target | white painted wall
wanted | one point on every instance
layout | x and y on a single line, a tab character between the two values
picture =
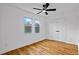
12	28
78	27
66	23
67	30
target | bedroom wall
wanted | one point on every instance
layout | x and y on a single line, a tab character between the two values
78	22
64	22
12	28
78	26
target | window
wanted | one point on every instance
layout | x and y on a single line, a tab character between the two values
27	25
37	26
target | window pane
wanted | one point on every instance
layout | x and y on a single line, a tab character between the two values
37	27
27	29
27	25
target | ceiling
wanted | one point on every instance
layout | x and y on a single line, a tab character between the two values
61	8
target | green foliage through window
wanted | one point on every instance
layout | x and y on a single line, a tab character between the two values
27	25
37	26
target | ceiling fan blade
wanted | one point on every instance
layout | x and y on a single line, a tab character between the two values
46	13
50	9
39	12
46	5
37	8
43	5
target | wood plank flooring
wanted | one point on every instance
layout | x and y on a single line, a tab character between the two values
46	47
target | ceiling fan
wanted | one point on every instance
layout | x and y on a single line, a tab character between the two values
44	9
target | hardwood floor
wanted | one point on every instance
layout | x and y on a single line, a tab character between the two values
46	47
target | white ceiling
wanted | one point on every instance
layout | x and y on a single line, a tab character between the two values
61	9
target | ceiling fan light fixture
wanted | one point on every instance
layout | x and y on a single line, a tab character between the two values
44	11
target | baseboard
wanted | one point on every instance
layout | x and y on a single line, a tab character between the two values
63	41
